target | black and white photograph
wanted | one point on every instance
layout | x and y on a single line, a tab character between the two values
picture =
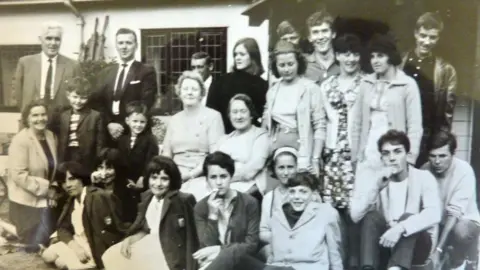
239	134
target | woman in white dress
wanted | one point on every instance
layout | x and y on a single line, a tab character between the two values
163	235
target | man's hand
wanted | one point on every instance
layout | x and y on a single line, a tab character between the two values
79	251
390	238
115	130
384	177
214	206
95	177
207	253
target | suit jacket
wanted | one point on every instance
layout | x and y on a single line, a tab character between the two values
445	84
243	225
230	84
140	84
101	221
28	79
90	135
144	149
28	181
178	235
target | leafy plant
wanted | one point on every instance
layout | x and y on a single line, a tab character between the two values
91	68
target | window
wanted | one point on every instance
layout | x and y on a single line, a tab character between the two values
9	55
170	50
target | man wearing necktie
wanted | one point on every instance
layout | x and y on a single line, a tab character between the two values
119	84
42	75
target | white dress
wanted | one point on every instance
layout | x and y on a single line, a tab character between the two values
147	253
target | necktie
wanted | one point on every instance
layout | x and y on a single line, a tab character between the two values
120	81
48	82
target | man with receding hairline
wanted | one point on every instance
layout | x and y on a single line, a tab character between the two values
42	75
201	62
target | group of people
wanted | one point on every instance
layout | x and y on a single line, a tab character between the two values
325	167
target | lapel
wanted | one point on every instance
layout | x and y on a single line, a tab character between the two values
88	206
166	204
112	76
130	75
307	215
280	216
37	74
303	90
59	70
410	191
83	114
437	69
67	210
38	147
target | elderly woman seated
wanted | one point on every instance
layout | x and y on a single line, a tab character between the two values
192	133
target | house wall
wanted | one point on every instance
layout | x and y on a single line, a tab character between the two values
25	26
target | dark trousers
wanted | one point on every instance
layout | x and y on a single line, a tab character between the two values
464	240
231	259
350	238
423	153
34	225
411	250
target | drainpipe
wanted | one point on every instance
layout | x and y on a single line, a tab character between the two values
74	10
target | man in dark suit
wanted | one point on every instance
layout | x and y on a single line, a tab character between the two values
43	75
122	83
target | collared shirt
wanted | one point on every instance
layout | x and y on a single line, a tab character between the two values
207	84
127	68
318	72
44	70
77	221
224	218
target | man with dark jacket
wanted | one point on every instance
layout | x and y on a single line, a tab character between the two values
89	224
436	79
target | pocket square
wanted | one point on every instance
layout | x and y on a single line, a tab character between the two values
181	222
134	82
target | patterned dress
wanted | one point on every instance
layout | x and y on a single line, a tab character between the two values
338	170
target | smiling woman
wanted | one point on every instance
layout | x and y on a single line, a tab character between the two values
32	163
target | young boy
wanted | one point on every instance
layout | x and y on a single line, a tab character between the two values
82	134
138	144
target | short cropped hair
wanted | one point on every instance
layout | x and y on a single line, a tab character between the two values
51	25
220	159
318	18
442	138
203	55
79	85
394	137
303	179
125	31
248	103
167	165
192	75
385	44
136	106
430	20
29	107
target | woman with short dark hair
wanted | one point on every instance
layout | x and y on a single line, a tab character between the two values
32	164
388	99
163	235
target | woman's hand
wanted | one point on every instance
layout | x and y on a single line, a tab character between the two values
126	248
206	254
315	170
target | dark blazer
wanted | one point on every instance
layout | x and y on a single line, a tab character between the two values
243	225
178	236
90	134
230	84
144	149
101	220
140	84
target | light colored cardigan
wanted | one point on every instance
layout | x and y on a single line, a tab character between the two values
28	167
458	191
308	117
423	199
404	113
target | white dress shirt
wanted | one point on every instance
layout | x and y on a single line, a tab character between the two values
44	69
77	223
207	84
